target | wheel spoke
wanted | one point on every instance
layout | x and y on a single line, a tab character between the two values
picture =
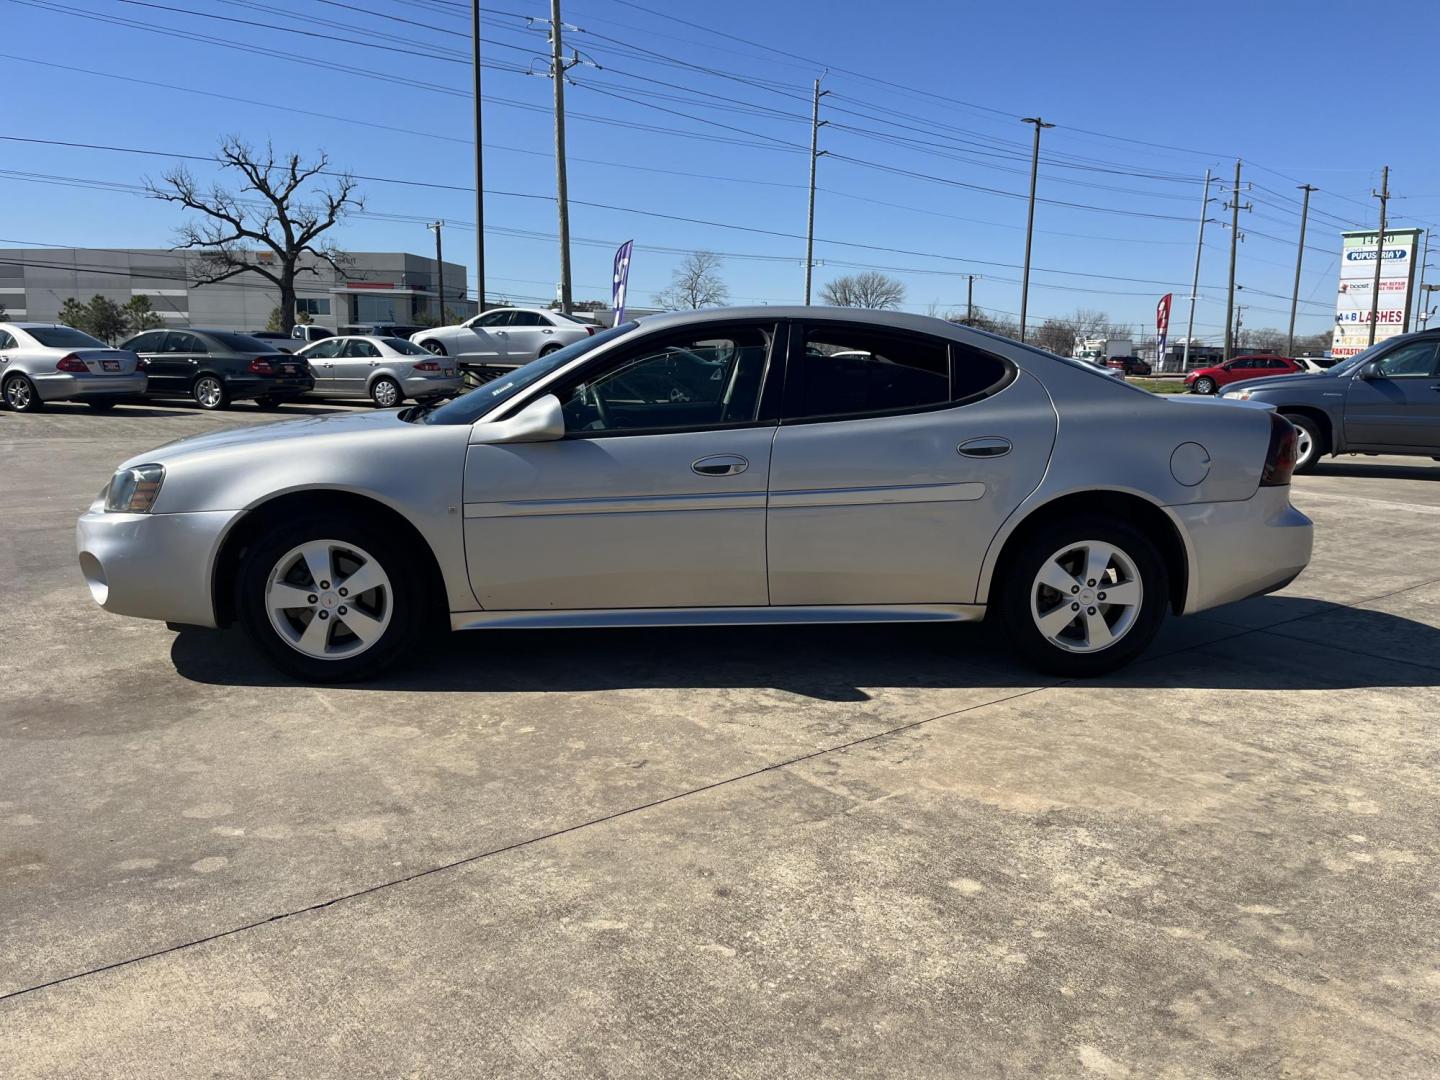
1058	578
364	627
1097	560
317	560
316	636
287	597
364	579
1126	594
1097	630
1052	623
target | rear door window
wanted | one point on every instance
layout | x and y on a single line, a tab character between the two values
177	341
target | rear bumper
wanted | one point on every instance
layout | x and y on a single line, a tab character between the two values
1240	549
63	386
152	566
423	386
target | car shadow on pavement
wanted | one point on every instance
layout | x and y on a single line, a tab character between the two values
180	409
1423	469
1339	647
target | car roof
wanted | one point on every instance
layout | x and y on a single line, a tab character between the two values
900	320
36	325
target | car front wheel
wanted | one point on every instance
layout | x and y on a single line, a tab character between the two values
1310	442
331	600
1204	385
1083	597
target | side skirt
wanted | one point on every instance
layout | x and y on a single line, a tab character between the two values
717	616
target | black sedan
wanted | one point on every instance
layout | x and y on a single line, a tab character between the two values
216	367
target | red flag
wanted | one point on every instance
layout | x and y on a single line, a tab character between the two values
1162	326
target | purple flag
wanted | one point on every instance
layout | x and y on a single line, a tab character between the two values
619	279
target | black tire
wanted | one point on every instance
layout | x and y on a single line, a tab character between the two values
434	347
1205	385
548	349
1017	579
1309	432
208	391
101	404
20	394
386	393
407	601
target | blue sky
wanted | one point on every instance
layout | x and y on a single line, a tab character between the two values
924	108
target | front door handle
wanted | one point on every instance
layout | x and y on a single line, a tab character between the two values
719	465
989	446
1436	388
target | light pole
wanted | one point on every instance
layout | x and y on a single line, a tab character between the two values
479	162
1299	259
815	154
439	273
1195	281
1030	217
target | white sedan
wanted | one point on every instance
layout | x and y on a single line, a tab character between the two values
42	362
387	370
504	337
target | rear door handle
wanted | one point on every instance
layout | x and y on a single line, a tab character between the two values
988	446
719	465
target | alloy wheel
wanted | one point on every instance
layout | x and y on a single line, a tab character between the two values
1204	386
1304	445
329	599
1086	596
209	393
17	394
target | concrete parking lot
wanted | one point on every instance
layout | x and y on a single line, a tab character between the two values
779	853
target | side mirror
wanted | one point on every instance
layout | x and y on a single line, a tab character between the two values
1370	371
542	420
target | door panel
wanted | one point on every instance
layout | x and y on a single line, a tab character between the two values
618	522
352	367
1399	408
886	510
322	365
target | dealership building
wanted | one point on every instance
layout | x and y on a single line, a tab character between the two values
375	287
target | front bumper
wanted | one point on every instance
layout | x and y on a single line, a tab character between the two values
152	566
63	386
1240	549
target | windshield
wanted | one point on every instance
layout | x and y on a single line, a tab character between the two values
63	337
405	348
1347	366
467	408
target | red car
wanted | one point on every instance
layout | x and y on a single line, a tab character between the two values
1209	380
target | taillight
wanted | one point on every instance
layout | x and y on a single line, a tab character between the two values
1280	455
428	365
72	364
591	330
140	364
260	366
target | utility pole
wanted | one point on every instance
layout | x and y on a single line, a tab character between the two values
1234	207
815	154
1420	290
1299	259
1030	218
969	299
479	164
1239	321
1384	196
1195	281
439	272
558	67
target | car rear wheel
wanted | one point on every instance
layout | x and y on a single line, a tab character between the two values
21	395
209	393
1083	597
1204	385
548	349
1310	442
434	346
331	599
386	393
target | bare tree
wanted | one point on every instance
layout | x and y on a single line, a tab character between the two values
1272	341
1056	336
696	283
269	234
870	289
995	325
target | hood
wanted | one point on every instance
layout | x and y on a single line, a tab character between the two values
237	439
1278	382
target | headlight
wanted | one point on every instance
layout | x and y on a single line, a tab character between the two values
1240	395
133	491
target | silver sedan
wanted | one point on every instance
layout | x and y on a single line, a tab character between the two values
504	337
387	370
42	362
729	467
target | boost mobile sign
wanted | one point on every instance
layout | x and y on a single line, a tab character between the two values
1357	287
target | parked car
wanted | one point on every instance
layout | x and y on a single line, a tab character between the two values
505	337
1128	365
310	332
42	362
1386	400
400	330
387	370
283	342
216	367
845	466
1208	380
